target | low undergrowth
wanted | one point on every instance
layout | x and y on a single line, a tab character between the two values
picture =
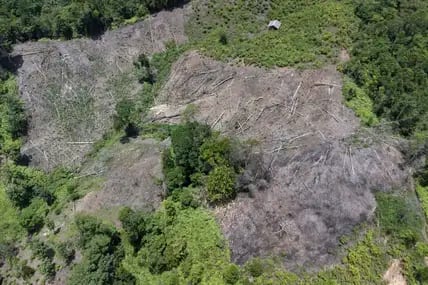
312	34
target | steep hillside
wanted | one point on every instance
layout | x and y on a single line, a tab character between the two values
71	88
198	146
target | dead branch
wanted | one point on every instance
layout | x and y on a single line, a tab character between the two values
299	136
218	119
223	81
77	143
333	116
297	90
35	52
165	117
326	84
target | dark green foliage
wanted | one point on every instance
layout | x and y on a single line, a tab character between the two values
182	160
66	252
179	242
134	224
255	267
26	183
399	218
147	230
41	250
223	38
216	151
199	157
125	114
187	197
186	140
231	274
24	20
144	70
45	254
389	60
102	254
13	123
32	218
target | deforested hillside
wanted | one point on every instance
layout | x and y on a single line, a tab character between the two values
71	88
186	142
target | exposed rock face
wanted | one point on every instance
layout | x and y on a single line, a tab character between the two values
323	168
70	88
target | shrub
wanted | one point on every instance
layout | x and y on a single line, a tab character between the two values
221	184
186	140
41	250
102	253
125	113
216	151
33	217
231	274
66	252
399	218
134	225
255	267
144	70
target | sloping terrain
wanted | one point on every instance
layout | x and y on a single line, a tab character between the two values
322	167
70	88
133	177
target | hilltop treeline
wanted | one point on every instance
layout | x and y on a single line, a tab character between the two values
23	20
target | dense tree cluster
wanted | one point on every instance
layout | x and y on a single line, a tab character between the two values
22	20
200	157
102	254
389	60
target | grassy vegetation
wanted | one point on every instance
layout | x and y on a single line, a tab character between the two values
423	197
178	246
312	32
10	227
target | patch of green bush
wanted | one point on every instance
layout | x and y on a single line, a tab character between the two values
179	244
399	218
13	122
102	254
200	158
423	197
221	184
32	218
359	102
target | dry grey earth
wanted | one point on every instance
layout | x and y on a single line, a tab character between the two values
322	167
70	88
132	173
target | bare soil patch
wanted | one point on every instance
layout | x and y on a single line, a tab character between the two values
133	177
70	87
323	167
394	275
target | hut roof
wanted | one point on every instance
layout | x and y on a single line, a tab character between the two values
274	24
